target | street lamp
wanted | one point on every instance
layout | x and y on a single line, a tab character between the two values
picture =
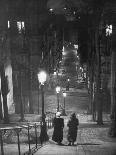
63	111
42	78
68	84
57	91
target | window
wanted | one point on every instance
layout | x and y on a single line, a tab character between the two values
21	26
108	30
8	24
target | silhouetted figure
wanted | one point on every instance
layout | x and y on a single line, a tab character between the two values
72	129
58	124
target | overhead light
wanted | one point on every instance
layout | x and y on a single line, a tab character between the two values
108	30
63	49
8	24
64	8
64	53
55	73
51	10
76	46
77	56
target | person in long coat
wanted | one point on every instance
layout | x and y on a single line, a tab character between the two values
72	129
58	124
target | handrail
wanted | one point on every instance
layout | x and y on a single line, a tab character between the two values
17	129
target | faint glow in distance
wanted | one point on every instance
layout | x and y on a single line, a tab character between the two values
108	30
76	46
54	73
64	94
58	89
42	77
8	24
20	26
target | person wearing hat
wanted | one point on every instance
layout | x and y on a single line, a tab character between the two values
72	129
58	124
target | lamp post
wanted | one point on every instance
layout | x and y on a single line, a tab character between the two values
68	84
42	78
57	91
63	111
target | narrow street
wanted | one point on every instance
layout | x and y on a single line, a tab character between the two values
57	56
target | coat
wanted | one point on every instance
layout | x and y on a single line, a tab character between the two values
72	129
58	124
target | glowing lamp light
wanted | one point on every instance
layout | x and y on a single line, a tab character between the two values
68	79
108	30
76	46
63	49
57	89
42	77
51	10
64	94
77	56
55	73
8	24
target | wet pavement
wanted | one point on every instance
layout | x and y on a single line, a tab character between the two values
91	140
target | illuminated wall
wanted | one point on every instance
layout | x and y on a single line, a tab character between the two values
8	73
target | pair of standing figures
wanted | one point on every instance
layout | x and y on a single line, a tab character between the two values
58	124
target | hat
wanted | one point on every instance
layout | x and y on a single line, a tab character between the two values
58	114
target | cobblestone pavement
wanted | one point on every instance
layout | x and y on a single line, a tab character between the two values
92	140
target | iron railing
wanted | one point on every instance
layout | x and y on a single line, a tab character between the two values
23	139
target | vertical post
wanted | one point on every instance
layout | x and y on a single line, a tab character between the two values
30	83
2	150
36	134
63	111
57	91
4	90
98	79
1	114
18	142
42	92
58	101
64	103
21	99
38	98
43	134
29	140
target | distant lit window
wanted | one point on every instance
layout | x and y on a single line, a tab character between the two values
23	25
81	69
63	49
76	46
63	53
84	75
20	26
55	73
108	30
51	10
50	52
8	24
